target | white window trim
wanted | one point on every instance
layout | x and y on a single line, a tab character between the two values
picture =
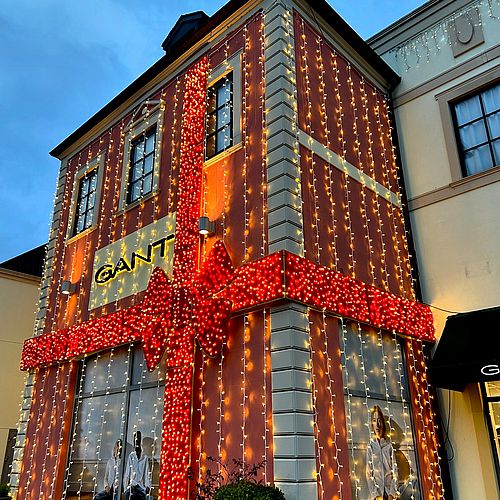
95	163
233	64
446	100
148	119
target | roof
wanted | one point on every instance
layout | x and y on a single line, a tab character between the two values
30	262
185	25
415	22
204	27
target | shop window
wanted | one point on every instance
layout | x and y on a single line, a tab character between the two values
477	122
117	396
491	397
378	416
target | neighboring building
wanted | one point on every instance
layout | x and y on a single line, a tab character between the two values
19	292
447	109
260	140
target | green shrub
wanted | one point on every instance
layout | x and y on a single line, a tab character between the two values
242	490
239	482
4	490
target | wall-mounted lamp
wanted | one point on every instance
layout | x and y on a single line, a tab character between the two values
68	288
206	226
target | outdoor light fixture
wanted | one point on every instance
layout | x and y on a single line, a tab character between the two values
206	226
68	288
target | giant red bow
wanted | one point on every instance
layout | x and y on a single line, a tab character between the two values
170	313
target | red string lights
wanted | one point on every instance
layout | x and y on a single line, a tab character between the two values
206	305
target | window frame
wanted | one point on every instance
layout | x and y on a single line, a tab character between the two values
126	390
374	397
489	424
95	164
141	140
232	65
214	88
482	119
446	100
150	116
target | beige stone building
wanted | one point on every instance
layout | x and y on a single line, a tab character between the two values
19	283
447	109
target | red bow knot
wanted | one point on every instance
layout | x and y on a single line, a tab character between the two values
173	315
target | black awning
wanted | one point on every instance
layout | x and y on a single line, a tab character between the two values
468	350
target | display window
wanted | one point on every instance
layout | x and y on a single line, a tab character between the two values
491	397
382	451
118	410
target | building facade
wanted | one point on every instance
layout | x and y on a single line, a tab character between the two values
446	107
228	273
19	291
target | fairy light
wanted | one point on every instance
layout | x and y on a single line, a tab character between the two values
52	422
173	148
292	101
378	226
245	134
88	435
157	418
103	421
346	205
263	137
266	353
426	425
361	166
60	248
314	394
310	155
33	445
64	420
244	396
347	386
332	397
220	406
406	416
76	425
333	241
400	233
106	175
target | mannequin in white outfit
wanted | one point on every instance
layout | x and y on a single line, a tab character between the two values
381	466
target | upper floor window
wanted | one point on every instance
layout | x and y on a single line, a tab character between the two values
220	116
141	154
85	206
142	159
477	120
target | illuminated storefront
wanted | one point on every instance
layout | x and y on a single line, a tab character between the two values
289	332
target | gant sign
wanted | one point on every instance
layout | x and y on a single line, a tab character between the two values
491	370
124	267
108	272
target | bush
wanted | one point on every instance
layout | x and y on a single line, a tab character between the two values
239	483
246	490
4	490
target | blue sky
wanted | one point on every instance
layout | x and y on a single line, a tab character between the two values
62	60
